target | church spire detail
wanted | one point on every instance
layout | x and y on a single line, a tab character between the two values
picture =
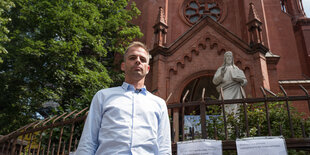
254	26
160	29
253	14
161	16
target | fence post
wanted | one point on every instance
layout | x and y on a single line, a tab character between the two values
61	131
307	94
224	115
288	111
183	110
3	147
42	132
72	129
203	116
267	110
25	128
245	108
8	148
51	133
14	146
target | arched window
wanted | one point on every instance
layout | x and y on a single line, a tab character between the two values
194	10
283	5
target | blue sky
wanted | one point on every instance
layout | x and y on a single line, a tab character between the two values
306	4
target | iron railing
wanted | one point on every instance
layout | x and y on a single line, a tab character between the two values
39	137
15	143
292	141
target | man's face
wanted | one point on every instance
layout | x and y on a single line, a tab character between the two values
228	59
136	62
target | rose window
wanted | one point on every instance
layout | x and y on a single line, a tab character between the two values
194	10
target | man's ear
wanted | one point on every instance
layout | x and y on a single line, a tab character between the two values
148	69
123	66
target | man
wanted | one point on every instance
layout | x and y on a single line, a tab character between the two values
127	120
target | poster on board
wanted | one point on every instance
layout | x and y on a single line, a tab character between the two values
200	147
271	145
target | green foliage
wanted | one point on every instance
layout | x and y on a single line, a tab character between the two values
257	121
215	123
258	125
5	5
60	51
279	120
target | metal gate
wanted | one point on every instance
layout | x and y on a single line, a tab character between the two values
58	134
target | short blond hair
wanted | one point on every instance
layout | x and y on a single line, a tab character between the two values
137	44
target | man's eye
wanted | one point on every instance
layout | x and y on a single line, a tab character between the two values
132	58
143	60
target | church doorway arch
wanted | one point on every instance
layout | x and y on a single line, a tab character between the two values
195	88
189	123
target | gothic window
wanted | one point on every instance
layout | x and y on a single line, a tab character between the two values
194	10
283	5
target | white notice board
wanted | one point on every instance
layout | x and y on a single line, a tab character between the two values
261	146
200	147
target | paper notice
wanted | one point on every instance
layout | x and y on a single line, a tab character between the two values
261	146
200	147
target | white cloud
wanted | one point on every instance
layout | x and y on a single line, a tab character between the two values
306	4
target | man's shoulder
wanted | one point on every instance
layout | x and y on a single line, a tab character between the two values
110	90
157	98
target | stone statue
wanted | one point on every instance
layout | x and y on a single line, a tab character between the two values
231	79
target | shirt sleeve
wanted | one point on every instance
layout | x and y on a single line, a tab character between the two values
164	138
89	140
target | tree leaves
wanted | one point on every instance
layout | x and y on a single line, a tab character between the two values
5	5
61	51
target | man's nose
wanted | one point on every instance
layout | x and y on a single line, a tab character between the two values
138	60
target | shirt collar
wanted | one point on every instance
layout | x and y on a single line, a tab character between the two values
129	87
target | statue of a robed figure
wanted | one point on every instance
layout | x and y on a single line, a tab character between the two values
231	79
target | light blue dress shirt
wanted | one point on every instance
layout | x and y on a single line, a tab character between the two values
124	121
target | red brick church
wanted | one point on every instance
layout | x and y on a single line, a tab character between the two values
270	41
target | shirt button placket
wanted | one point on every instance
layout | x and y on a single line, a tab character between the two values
132	121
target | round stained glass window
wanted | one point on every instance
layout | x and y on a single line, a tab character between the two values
194	10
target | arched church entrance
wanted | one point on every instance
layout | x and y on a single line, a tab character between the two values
195	89
193	92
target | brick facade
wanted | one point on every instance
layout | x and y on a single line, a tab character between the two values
270	41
